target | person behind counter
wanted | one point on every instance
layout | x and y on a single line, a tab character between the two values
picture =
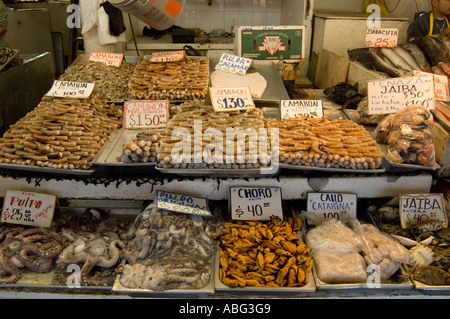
431	23
3	23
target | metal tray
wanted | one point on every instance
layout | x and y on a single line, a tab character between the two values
39	169
333	170
207	290
309	287
386	285
242	173
275	90
16	51
426	288
110	153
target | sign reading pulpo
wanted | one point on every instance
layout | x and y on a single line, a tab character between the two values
422	210
145	114
293	108
233	64
323	206
255	203
28	208
182	203
231	99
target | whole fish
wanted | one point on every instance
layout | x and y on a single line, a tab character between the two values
396	59
434	49
407	56
382	66
417	53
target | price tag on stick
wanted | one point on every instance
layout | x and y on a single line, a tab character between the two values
231	99
78	90
28	208
425	210
381	37
145	114
323	206
182	203
294	108
255	203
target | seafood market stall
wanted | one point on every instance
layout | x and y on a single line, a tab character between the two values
145	179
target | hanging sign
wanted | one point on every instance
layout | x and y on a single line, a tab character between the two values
114	59
80	90
421	210
167	56
391	95
182	203
143	114
233	64
381	37
323	206
293	108
231	99
255	203
28	208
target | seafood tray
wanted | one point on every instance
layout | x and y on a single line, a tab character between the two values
9	60
309	287
275	90
110	154
221	172
207	290
426	288
387	285
332	170
39	169
399	167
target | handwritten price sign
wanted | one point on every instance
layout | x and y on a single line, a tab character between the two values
421	209
145	114
182	203
28	208
166	56
78	90
381	37
114	59
255	203
231	99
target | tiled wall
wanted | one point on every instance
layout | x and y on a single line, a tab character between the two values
222	13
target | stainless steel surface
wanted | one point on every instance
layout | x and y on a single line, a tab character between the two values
218	172
333	170
39	169
24	86
275	90
110	154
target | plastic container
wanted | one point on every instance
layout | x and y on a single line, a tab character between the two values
159	14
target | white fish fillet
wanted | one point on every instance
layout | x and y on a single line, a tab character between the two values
396	59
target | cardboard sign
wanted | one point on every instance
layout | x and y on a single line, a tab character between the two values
182	203
323	206
381	37
270	42
391	95
255	203
145	114
233	64
114	59
231	99
421	210
167	56
440	85
28	208
78	90
293	108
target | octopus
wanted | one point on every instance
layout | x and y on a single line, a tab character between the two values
174	250
90	250
32	248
